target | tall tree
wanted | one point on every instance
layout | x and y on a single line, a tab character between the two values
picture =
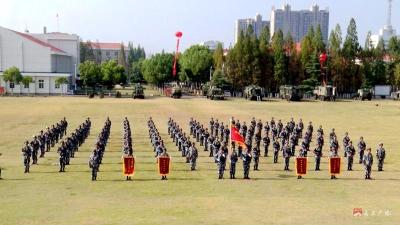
122	57
351	51
318	41
335	62
219	57
280	68
266	59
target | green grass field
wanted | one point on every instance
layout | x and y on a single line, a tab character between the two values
272	196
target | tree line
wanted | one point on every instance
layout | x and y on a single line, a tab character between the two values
272	61
94	71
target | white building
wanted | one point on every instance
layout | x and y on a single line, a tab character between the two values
44	57
109	51
212	45
257	23
387	32
298	23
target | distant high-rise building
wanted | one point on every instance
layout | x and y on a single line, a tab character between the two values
243	24
298	23
387	32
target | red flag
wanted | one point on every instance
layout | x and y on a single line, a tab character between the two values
236	137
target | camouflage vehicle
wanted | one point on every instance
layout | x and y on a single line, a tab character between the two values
290	93
325	93
215	93
253	93
176	92
397	96
138	92
364	94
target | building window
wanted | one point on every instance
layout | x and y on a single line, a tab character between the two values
41	84
12	85
116	54
26	86
107	53
57	86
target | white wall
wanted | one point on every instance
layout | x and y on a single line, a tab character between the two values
48	87
18	51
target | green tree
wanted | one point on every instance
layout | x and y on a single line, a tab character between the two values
137	75
122	57
13	75
26	80
90	74
218	79
335	60
351	51
318	41
280	68
218	57
61	81
397	75
86	52
195	63
158	69
112	73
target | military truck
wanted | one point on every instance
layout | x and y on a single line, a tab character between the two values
290	93
253	93
176	92
215	93
138	91
363	94
325	93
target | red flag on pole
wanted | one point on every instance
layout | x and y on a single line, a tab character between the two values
236	136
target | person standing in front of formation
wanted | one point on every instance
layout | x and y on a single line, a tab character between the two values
26	153
368	160
380	154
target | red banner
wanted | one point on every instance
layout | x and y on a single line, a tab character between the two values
164	165
236	137
334	165
129	165
301	166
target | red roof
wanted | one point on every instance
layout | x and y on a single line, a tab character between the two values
38	41
116	46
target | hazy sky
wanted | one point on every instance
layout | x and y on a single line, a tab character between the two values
153	23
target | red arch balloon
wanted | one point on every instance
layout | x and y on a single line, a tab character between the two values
178	34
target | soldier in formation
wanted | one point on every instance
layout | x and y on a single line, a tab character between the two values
220	158
127	139
127	142
233	159
96	158
350	152
72	143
